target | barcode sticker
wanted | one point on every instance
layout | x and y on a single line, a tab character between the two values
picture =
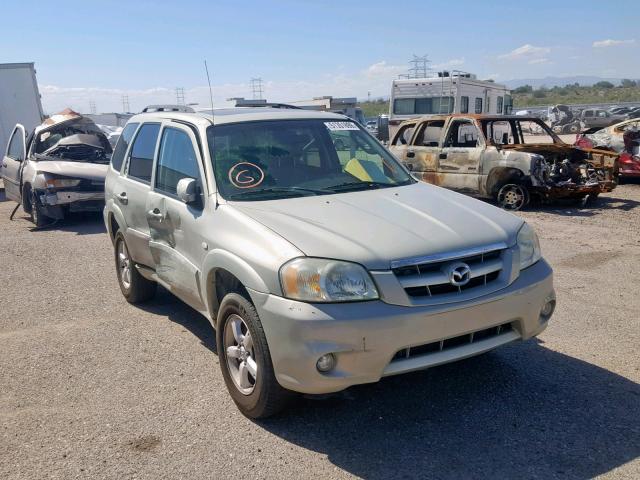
338	126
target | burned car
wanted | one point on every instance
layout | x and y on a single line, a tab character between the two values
505	157
622	138
59	168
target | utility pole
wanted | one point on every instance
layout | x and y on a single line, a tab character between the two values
92	107
256	88
419	67
180	95
125	104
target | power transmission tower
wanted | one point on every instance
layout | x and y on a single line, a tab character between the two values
419	67
180	95
125	104
92	107
256	88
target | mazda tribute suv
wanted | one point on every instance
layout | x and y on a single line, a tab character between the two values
317	257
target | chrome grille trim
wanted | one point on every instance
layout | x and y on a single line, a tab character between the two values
478	269
453	255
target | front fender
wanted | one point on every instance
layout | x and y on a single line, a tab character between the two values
223	260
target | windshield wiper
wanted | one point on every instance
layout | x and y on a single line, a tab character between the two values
343	187
278	190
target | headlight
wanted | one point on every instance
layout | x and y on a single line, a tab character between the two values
59	182
323	280
529	246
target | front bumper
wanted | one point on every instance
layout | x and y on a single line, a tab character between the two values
53	202
366	336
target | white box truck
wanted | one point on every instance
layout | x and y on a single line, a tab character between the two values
19	99
448	92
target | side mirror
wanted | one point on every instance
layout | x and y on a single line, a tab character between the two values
187	190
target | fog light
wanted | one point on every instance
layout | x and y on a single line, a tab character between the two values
547	309
326	363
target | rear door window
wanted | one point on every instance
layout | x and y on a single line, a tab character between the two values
142	152
122	146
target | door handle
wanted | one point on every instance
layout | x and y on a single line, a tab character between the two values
122	198
411	154
155	213
442	156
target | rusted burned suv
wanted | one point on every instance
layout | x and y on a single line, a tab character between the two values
507	158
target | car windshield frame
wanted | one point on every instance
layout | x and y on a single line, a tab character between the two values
333	174
513	122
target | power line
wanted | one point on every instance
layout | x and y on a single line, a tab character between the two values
256	88
92	107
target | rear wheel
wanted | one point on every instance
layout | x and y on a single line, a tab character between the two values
245	360
513	196
134	286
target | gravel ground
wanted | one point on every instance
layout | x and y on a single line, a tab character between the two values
92	387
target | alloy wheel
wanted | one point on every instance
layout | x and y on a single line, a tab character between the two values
240	354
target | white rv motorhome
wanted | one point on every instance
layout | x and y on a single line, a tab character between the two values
448	92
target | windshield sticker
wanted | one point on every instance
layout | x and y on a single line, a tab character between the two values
246	175
339	126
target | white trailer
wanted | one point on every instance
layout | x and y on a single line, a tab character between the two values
19	99
448	92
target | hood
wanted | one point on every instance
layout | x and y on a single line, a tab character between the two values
375	227
90	171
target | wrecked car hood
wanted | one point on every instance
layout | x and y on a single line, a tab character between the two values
90	171
375	227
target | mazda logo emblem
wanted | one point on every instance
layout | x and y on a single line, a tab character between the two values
459	274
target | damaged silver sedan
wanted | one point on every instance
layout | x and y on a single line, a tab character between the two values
59	168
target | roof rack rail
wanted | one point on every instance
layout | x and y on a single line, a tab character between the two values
242	102
167	108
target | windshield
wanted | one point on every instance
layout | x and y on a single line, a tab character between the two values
278	159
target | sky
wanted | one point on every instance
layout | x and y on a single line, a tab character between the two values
88	51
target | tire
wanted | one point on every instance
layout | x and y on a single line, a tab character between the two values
242	347
573	128
37	216
134	287
512	196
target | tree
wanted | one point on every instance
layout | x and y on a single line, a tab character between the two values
625	82
524	89
603	84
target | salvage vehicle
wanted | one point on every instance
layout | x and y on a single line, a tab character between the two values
59	168
622	138
591	118
505	158
319	268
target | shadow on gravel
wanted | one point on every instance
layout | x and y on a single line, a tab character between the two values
166	304
572	208
80	223
521	412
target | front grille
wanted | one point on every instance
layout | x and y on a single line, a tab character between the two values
453	342
431	279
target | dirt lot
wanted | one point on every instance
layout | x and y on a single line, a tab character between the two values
91	387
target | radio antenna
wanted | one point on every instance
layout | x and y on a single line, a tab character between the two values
211	138
210	88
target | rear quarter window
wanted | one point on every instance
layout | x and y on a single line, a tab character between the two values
142	152
123	145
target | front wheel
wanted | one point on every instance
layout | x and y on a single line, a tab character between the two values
513	196
31	206
245	360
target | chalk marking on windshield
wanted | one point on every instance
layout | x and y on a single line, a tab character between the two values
246	175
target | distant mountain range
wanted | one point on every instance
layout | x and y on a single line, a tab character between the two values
584	80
